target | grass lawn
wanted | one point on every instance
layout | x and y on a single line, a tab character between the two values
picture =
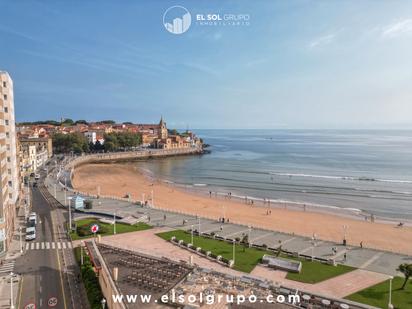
106	229
314	272
246	260
378	295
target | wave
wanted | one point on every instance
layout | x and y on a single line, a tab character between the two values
362	178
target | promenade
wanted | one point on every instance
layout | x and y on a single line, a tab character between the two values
367	259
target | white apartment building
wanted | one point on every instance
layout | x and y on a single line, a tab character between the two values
91	136
9	172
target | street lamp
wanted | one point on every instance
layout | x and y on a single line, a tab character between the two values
103	302
345	227
390	306
248	236
81	252
70	217
21	246
65	190
198	218
313	245
114	222
11	291
234	251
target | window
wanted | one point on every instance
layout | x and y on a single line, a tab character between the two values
5	96
6	109
7	134
10	195
9	171
7	122
10	184
4	84
8	159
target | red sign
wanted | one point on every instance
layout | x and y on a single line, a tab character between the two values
94	228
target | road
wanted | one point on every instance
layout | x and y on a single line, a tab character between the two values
41	265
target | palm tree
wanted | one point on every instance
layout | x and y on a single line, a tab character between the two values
245	241
406	270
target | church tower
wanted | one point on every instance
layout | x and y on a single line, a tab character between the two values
163	134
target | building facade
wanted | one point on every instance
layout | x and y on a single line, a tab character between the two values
9	170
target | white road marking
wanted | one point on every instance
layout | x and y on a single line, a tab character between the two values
42	245
37	246
59	245
64	245
53	245
27	246
69	245
47	245
32	246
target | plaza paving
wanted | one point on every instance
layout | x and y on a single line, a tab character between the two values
364	258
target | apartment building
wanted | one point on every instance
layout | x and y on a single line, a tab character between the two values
9	171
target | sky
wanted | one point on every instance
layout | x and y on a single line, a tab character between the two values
294	64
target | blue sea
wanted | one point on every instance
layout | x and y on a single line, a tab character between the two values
366	170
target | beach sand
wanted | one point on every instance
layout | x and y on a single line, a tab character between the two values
120	179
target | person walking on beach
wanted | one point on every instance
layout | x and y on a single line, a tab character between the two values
361	244
210	193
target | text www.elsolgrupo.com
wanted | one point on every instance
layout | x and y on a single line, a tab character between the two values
209	299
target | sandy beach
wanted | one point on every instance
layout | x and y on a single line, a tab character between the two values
122	179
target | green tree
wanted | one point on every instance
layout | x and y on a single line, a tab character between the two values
109	146
81	121
406	270
245	241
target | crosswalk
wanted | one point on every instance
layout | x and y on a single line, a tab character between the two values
7	267
49	245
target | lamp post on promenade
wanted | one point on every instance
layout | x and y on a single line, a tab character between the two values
390	306
345	228
234	249
114	222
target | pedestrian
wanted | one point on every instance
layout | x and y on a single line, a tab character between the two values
210	193
221	228
164	217
361	244
344	257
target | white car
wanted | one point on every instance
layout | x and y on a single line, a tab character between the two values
37	176
30	233
32	218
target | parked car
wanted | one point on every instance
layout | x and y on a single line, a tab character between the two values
30	233
37	176
32	220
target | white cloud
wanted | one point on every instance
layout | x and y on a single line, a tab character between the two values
397	29
322	41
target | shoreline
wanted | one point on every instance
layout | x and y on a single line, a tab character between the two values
121	179
203	191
